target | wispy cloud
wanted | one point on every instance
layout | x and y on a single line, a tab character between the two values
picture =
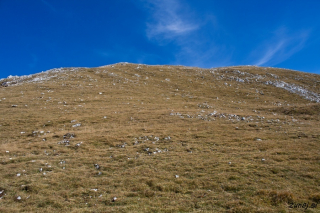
279	48
170	19
49	5
175	22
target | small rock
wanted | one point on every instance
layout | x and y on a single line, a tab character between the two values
177	176
229	163
263	159
18	175
18	198
4	84
69	135
114	199
2	194
65	142
96	166
78	144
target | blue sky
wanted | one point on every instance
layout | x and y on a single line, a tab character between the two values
37	35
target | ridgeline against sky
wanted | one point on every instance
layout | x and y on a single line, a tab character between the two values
39	35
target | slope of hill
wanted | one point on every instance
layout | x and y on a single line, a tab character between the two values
160	139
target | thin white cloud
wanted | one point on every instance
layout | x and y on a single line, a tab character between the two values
279	48
169	19
270	53
174	22
49	5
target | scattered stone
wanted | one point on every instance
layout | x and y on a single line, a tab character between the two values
18	175
2	193
76	125
18	198
122	145
78	144
263	159
114	199
96	166
177	176
65	142
14	105
4	84
69	136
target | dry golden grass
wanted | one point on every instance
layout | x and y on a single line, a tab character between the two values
159	149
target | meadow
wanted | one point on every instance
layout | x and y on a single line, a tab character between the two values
139	138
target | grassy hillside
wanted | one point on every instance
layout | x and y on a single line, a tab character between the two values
165	139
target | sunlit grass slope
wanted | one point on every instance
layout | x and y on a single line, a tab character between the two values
160	139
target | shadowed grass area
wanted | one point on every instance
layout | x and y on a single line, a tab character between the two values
165	138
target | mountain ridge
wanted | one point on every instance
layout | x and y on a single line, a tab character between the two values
292	88
140	138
